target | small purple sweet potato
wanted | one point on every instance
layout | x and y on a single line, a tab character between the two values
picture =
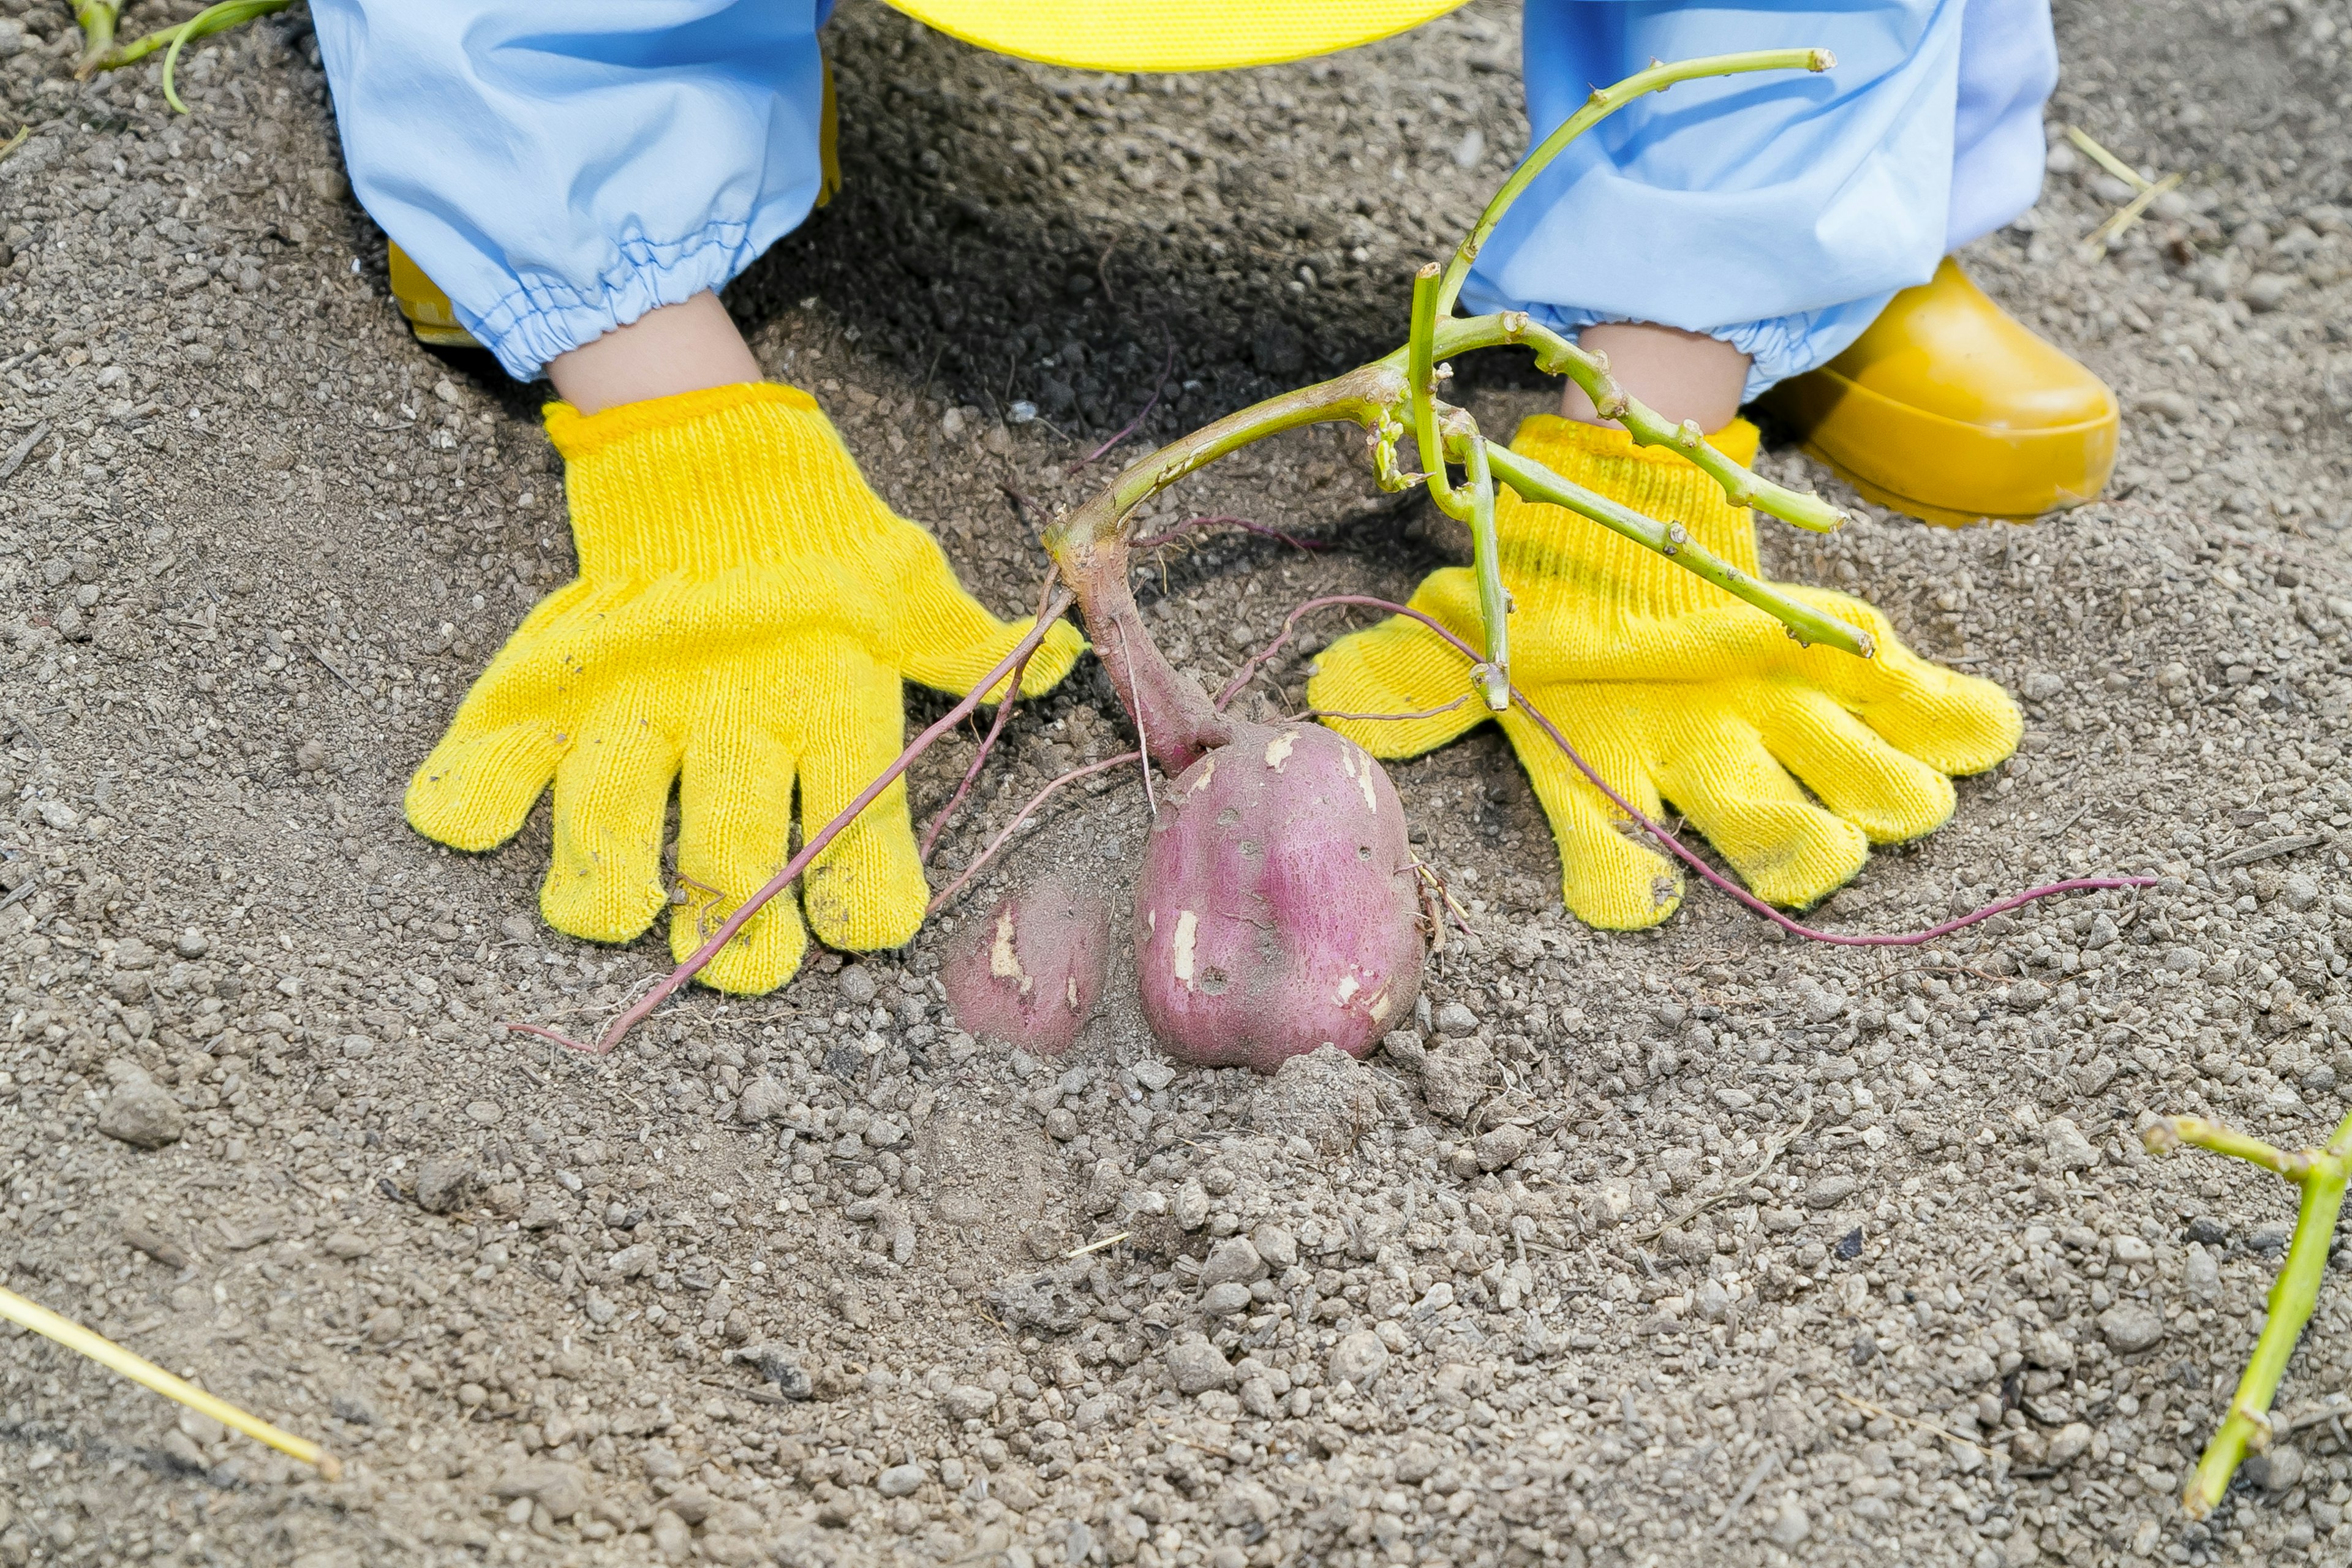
1030	972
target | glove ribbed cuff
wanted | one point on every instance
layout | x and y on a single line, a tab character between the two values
704	482
1549	552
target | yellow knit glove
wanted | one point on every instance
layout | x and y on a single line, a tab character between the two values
1674	691
745	610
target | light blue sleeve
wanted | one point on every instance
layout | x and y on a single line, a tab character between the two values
561	170
1779	213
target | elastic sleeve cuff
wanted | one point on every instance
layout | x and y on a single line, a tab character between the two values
1776	349
543	316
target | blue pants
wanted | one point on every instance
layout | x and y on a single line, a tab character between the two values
563	170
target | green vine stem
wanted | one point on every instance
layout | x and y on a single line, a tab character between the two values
97	19
97	36
2320	1174
1492	673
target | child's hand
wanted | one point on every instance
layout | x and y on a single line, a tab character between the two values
1673	689
745	611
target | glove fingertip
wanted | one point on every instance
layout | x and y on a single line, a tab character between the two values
1052	661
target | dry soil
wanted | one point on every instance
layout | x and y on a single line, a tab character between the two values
800	1279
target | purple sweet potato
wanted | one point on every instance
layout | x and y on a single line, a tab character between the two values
1276	909
1029	973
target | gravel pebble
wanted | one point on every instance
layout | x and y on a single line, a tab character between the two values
1196	1366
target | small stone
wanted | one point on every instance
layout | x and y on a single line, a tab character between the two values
1454	1080
2068	1148
1713	1301
968	1401
781	1367
483	1112
1790	1525
900	1480
2201	1273
560	1488
1196	1366
2130	1327
1326	1097
345	1247
1403	1047
1276	1246
1455	1020
2276	1468
673	1541
856	984
1231	1260
1192	1207
692	1504
2027	995
1358	1358
1830	1190
444	1183
2073	1441
1417	1464
763	1098
1153	1075
140	1113
311	755
191	943
1224	1301
1503	1146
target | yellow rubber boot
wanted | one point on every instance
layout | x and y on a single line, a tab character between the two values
429	311
1793	760
1949	409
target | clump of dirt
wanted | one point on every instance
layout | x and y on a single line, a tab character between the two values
1690	1245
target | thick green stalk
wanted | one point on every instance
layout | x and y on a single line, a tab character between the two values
1362	397
1605	101
1805	623
2321	1174
96	19
1421	390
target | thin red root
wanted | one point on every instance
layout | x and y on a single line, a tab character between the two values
952	889
1675	846
988	742
677	978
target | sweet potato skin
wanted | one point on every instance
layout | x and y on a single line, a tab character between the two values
1030	972
1276	910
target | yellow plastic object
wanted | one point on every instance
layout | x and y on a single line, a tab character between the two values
1170	35
1948	409
745	613
420	300
1676	692
138	1369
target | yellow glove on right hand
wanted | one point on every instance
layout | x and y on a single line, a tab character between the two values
745	610
1674	691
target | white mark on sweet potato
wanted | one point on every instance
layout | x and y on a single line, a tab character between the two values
1277	751
1004	963
1070	992
1208	771
1347	987
1187	922
1379	1007
1363	776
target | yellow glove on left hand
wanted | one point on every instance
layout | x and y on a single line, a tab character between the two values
745	610
1673	689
